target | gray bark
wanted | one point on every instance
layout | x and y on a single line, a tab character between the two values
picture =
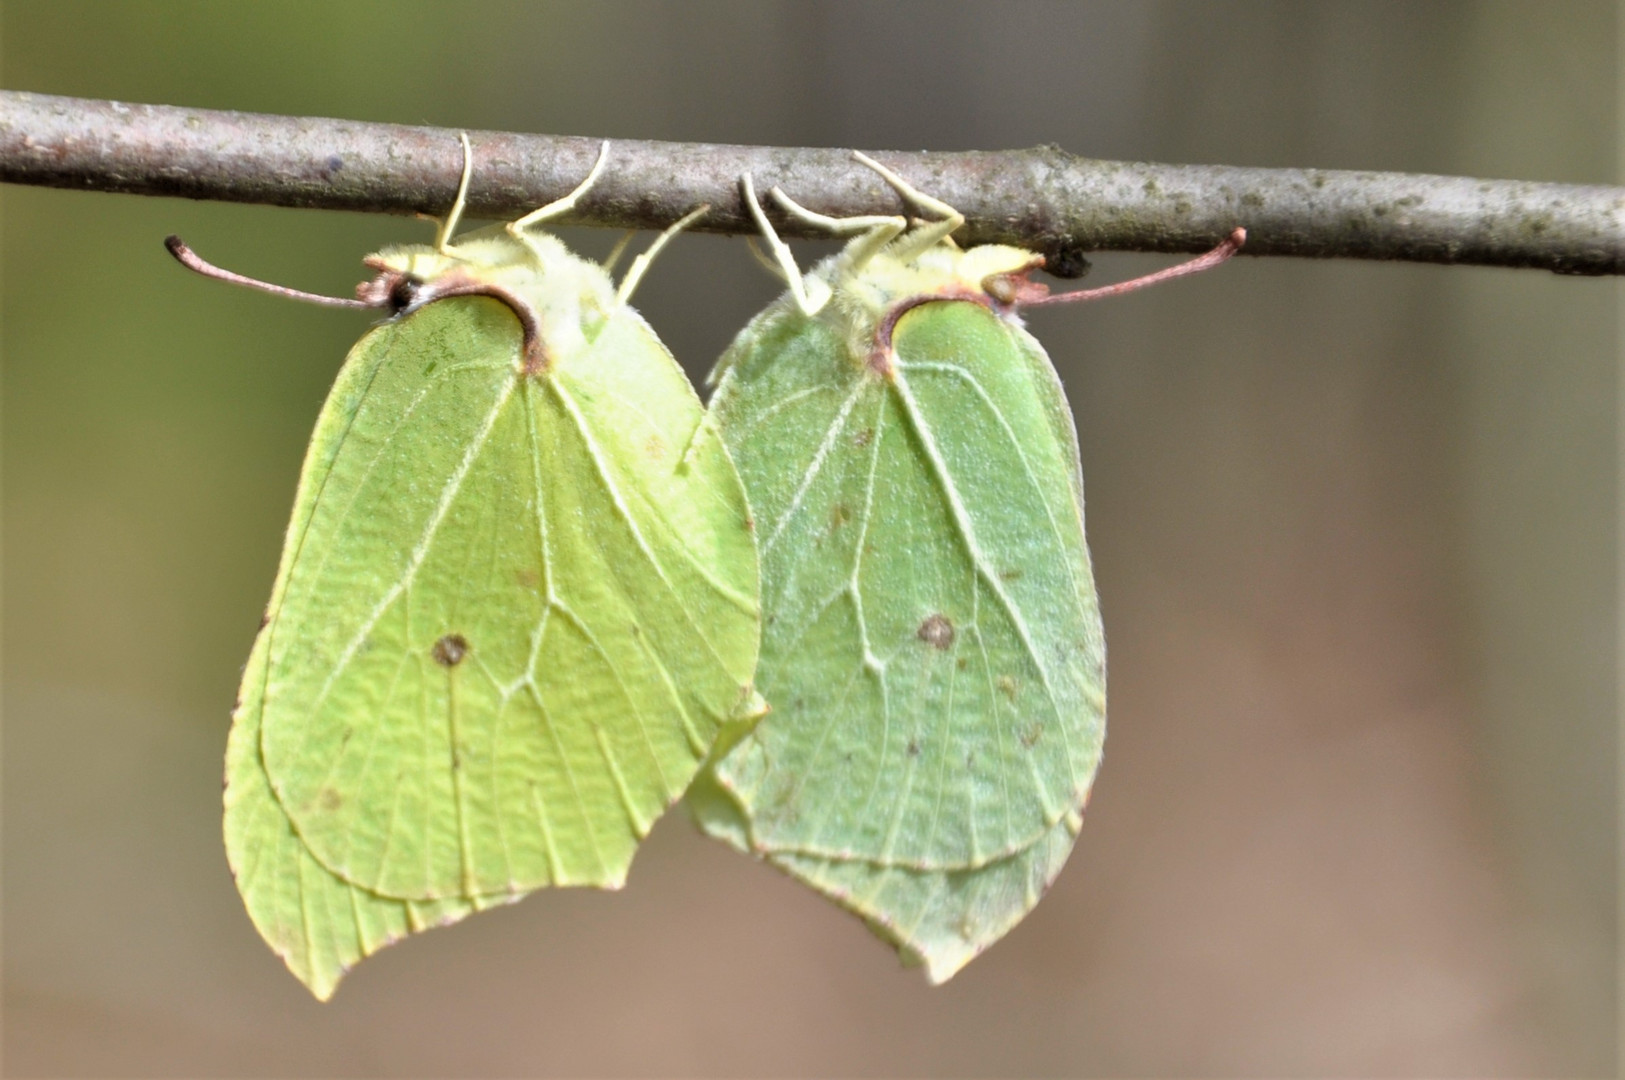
1042	198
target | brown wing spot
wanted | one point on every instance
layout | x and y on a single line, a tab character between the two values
937	632
450	650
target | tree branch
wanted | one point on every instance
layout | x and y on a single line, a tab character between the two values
1043	199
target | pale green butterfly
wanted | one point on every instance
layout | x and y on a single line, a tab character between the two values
932	646
517	599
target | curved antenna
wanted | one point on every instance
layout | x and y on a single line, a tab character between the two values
1208	261
196	263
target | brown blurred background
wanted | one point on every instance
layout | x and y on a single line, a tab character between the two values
1355	530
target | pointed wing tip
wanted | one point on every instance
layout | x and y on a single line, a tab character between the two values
322	993
322	985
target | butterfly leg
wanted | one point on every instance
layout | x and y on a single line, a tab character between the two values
618	250
442	239
561	205
558	207
878	230
640	265
810	305
930	233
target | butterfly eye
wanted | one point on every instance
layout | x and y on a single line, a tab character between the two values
403	294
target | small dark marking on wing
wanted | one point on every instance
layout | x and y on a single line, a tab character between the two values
450	650
937	632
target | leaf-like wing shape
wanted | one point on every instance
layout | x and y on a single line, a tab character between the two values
932	646
941	920
320	924
514	608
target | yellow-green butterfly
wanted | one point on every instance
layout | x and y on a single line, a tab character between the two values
517	599
931	647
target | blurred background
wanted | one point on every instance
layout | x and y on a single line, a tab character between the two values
1355	527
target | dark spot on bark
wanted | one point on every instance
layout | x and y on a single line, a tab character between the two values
1253	199
937	632
1065	259
450	650
335	164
